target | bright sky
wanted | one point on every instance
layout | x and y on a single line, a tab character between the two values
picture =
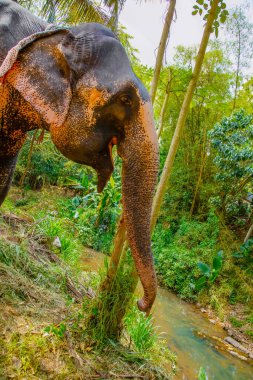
144	21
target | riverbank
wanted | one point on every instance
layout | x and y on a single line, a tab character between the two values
240	339
45	300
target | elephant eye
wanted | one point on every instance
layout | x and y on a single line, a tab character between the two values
126	99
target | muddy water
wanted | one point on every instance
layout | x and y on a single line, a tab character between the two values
186	329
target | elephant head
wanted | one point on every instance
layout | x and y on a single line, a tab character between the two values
81	82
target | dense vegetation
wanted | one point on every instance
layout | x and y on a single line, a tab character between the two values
202	242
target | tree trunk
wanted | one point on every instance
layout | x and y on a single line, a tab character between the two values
237	68
201	170
119	240
248	233
161	49
162	186
29	157
164	107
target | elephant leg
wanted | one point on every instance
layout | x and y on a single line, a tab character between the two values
7	166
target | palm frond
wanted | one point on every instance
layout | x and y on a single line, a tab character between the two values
25	3
75	11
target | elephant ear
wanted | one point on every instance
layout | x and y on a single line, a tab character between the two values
38	69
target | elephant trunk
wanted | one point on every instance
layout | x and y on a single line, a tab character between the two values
139	153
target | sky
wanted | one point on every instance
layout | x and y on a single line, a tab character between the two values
144	21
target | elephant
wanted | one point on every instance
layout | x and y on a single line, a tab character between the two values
77	83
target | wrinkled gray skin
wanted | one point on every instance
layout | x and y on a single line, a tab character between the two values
78	84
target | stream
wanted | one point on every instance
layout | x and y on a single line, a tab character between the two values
196	341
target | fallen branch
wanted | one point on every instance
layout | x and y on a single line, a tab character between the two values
78	294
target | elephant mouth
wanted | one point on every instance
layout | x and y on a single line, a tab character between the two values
106	165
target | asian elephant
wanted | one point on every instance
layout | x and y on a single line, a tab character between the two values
77	83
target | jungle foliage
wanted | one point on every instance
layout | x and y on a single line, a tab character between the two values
202	241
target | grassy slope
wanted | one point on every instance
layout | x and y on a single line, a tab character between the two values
45	300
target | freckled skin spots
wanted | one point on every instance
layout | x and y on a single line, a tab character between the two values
78	84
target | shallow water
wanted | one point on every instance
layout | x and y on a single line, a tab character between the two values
180	323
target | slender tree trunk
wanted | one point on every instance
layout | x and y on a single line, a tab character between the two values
201	170
196	192
237	69
162	186
248	233
162	47
119	240
29	157
164	107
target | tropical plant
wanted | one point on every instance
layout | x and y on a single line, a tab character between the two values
245	250
209	273
68	11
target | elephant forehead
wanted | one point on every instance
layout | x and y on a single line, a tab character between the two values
93	97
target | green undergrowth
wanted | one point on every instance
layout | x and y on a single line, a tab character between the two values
179	248
46	300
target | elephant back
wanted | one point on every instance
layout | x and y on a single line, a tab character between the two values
16	23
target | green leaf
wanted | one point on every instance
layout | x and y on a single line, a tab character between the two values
200	2
200	283
202	374
194	12
112	182
223	19
217	263
204	268
213	277
76	11
95	311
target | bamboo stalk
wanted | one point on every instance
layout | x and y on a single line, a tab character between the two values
161	48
